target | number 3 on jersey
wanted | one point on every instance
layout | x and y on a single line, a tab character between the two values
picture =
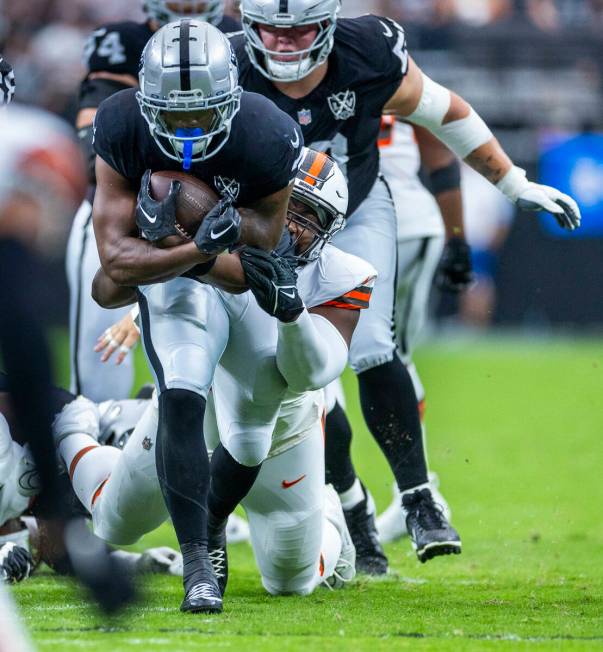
106	45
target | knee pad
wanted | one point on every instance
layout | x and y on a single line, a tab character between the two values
248	445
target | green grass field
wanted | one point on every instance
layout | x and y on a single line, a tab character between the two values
516	434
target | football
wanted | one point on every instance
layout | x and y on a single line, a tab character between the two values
193	202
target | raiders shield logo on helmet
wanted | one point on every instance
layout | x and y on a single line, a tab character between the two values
343	105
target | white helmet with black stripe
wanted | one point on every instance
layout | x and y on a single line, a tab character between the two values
167	11
189	90
318	204
289	14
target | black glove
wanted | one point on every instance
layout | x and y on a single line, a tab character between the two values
455	272
273	283
16	564
7	82
286	248
156	219
220	229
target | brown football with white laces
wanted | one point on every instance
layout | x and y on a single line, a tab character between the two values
194	200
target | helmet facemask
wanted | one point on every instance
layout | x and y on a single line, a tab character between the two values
190	144
310	218
301	63
167	11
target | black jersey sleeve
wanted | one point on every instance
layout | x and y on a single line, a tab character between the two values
115	135
372	54
116	48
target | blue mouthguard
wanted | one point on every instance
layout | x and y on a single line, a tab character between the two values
187	153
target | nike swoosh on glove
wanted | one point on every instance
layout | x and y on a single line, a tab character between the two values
156	219
220	229
273	283
455	272
15	563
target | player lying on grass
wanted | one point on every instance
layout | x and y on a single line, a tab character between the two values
27	537
268	405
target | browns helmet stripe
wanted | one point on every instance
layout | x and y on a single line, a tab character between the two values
185	55
320	167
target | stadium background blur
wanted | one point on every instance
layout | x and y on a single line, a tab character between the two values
532	68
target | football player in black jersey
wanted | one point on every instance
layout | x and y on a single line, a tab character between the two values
336	77
190	113
112	54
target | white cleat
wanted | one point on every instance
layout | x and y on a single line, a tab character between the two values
237	529
345	568
391	524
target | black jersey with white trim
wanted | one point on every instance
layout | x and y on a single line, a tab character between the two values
116	48
342	115
260	157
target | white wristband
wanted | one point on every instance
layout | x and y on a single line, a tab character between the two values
514	183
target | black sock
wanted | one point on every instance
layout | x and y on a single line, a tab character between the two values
183	463
391	412
230	483
339	470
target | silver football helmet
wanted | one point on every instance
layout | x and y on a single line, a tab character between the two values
321	187
189	91
118	420
288	14
167	11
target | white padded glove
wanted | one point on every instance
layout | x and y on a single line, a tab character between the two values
531	196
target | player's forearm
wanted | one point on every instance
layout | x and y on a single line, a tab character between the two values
109	295
310	353
227	274
260	231
133	261
450	203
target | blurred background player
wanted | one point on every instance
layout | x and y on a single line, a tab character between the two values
112	56
12	638
41	181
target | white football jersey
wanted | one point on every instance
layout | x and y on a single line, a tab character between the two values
417	210
12	503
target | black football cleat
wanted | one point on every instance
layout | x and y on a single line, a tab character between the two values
430	532
216	548
360	519
201	591
203	597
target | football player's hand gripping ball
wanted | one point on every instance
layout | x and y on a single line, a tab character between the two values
455	272
16	563
220	229
273	282
156	219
